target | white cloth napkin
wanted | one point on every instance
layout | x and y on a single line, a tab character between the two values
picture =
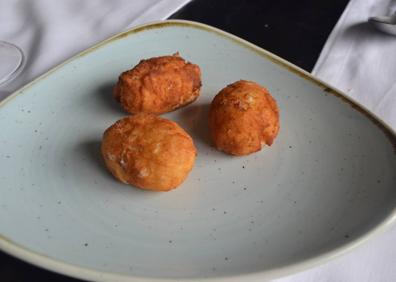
362	62
50	32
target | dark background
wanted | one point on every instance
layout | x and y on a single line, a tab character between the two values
293	30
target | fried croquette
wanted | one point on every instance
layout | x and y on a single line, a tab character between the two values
148	152
158	85
242	117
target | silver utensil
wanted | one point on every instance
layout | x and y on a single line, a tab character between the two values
385	24
12	61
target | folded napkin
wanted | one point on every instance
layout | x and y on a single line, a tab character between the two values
50	32
362	62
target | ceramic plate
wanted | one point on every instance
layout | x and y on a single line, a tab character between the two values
326	184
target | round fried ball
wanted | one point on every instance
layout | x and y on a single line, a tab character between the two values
242	117
158	85
148	152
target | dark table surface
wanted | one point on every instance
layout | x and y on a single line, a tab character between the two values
293	30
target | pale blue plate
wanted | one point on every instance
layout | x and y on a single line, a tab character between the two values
326	185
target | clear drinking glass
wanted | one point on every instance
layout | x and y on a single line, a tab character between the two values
12	61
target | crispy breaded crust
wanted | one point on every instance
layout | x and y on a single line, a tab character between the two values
148	152
158	85
242	117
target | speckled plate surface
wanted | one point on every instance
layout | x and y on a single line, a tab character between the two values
327	183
